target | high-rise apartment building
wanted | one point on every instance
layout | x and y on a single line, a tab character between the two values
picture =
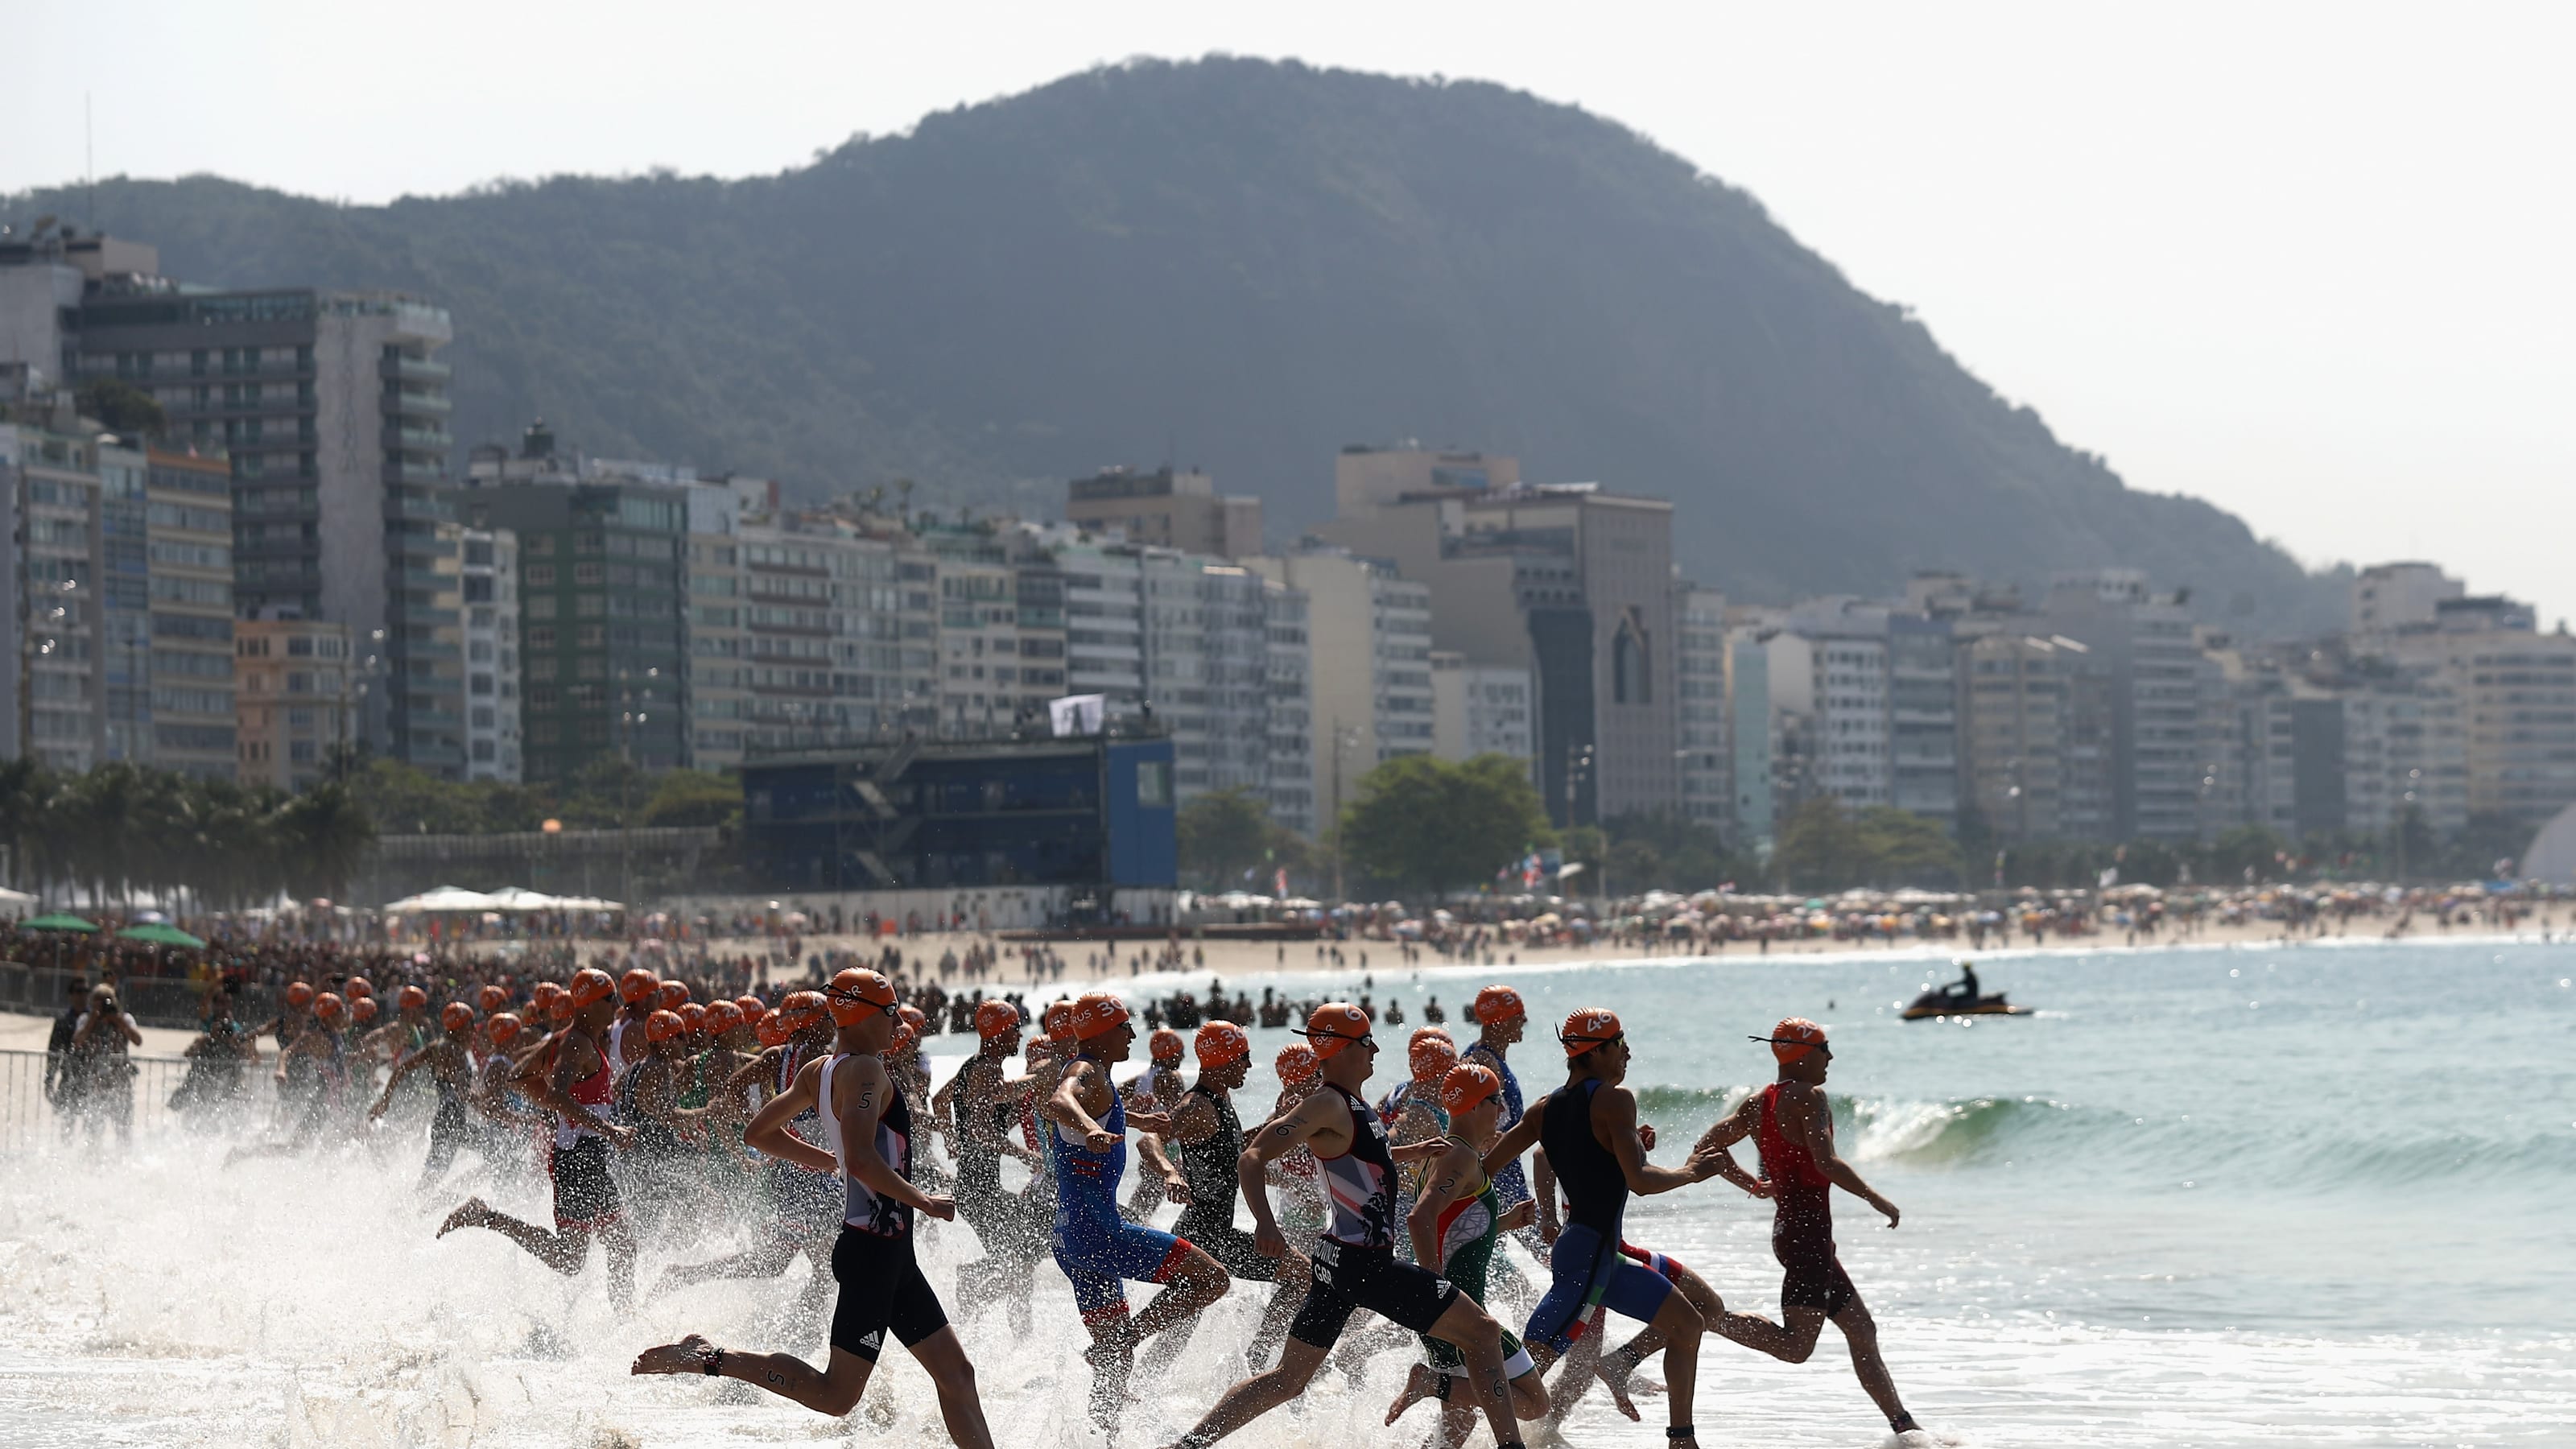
2142	643
1700	709
1567	581
1001	626
59	564
1165	509
2014	716
1828	688
1479	709
602	619
188	643
1289	685
2392	596
1368	633
332	408
295	702
488	576
720	697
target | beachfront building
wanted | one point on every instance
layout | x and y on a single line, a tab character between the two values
295	703
1166	509
1478	709
1568	581
1700	708
1290	687
185	638
1369	649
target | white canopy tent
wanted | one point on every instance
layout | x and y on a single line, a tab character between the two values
441	900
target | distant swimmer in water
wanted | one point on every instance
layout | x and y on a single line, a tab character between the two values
1792	1126
869	1130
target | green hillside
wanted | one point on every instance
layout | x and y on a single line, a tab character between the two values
1241	266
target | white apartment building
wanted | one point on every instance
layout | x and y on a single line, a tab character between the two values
488	565
1290	687
1369	637
1480	709
1829	691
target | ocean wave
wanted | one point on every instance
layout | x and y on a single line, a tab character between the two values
1973	1132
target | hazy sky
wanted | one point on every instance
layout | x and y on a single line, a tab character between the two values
2309	261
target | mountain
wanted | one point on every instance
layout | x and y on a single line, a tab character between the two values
1241	266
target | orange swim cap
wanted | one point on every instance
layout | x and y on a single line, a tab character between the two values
504	1029
637	984
560	1008
456	1016
356	989
675	994
1793	1039
1058	1021
1588	1028
905	1035
1431	1056
590	984
1097	1012
693	1017
1334	1026
1466	1085
299	993
364	1009
723	1017
410	997
1165	1045
662	1026
751	1007
1498	1003
1297	1063
493	998
994	1018
857	994
1221	1042
327	1006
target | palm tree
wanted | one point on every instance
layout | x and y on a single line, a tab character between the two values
322	833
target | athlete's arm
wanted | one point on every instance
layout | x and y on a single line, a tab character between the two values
1447	1181
767	1133
1194	1120
1724	1133
1175	1186
1301	1124
1813	1122
980	1102
1522	1137
1614	1125
1065	1107
749	1072
1543	1193
402	1069
870	1090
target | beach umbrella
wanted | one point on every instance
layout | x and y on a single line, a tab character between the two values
60	921
161	933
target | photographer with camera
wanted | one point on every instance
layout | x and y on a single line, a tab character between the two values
217	1057
97	1076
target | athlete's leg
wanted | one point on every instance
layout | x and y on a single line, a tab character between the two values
1790	1342
1861	1332
834	1390
1257	1395
945	1360
766	1260
617	1235
1681	1327
1480	1341
566	1251
1195	1280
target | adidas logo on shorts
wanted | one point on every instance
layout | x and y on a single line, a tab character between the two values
873	1341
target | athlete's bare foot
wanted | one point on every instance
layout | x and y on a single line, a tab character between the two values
1112	1364
472	1213
689	1356
1419	1382
1616	1374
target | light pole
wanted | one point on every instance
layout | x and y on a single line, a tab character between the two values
631	712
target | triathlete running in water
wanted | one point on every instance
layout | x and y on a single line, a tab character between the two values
1354	1261
1792	1126
1098	1249
572	1078
1589	1128
868	1131
1454	1225
450	1063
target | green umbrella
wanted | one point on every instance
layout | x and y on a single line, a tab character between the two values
59	922
161	935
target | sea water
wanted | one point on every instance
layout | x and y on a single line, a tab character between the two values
2204	1196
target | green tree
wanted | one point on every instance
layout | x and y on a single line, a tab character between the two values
121	407
1819	846
694	797
1421	823
323	833
1899	847
1223	834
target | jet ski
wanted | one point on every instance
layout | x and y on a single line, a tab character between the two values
1939	1003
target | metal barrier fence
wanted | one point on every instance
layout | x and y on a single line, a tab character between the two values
104	1105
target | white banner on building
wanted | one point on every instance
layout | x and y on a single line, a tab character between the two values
1078	714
